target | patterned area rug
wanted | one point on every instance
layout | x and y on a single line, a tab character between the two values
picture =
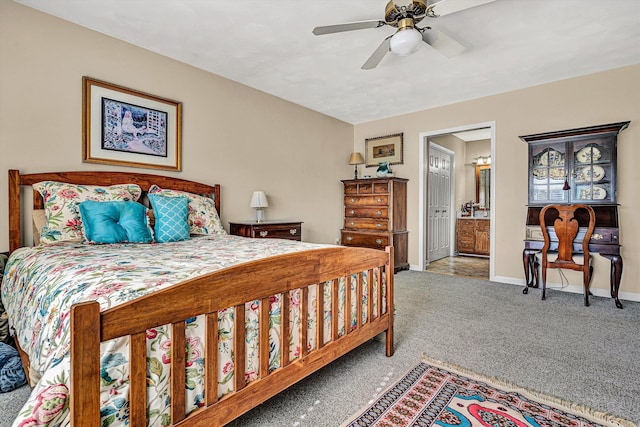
439	394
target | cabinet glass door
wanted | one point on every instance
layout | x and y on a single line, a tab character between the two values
593	168
548	163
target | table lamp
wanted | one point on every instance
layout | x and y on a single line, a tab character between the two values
356	159
259	201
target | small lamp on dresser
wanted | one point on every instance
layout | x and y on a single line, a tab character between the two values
355	159
259	201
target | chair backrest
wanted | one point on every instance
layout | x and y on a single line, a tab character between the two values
566	227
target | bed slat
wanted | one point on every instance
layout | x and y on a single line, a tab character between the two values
211	358
320	316
380	293
285	329
304	322
138	379
347	305
370	295
239	347
263	341
335	310
178	348
359	305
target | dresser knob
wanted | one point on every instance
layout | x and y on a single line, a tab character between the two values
353	200
379	225
379	241
264	233
596	236
349	238
379	200
379	213
293	231
352	223
352	212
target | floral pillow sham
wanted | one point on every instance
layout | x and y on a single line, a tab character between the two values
64	222
203	216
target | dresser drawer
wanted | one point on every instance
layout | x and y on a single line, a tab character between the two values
381	212
365	188
351	189
367	223
381	187
367	240
381	199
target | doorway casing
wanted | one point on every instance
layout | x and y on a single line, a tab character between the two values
423	145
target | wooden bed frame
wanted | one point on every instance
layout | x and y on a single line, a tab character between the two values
206	295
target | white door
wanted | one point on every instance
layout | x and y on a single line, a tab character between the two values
439	205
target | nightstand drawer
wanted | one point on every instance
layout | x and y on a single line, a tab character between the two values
366	240
382	212
268	230
367	223
382	200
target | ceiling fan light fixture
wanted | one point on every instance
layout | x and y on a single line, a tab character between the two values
407	39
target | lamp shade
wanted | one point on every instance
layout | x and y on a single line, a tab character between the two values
356	159
259	200
405	41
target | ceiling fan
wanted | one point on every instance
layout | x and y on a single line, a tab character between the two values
407	39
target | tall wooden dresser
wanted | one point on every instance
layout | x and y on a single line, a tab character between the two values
375	216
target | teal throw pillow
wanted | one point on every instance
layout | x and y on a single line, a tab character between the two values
115	222
172	218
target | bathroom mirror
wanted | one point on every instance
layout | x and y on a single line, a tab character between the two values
483	186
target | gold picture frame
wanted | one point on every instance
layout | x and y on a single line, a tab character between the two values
125	127
387	148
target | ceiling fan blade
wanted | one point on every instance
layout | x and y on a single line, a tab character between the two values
338	28
377	54
447	7
441	42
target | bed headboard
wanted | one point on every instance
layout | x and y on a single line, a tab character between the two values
16	181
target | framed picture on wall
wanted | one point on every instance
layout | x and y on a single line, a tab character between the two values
125	127
383	149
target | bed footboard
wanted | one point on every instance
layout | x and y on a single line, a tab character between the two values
321	271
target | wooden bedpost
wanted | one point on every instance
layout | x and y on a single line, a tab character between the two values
14	210
85	364
390	301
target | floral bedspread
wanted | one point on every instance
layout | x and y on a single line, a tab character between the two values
41	284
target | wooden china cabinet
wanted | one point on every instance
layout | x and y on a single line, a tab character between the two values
575	166
375	216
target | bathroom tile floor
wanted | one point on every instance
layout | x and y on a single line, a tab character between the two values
461	266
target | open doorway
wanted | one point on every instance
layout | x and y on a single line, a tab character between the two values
461	192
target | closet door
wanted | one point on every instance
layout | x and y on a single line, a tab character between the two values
439	209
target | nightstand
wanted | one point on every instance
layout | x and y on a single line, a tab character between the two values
291	230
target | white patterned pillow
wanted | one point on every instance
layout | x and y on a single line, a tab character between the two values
61	200
203	216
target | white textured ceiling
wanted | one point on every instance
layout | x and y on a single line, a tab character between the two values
268	45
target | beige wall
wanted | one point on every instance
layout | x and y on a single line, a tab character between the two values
233	135
606	97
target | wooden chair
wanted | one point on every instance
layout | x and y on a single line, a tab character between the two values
565	226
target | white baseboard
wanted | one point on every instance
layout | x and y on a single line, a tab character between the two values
605	293
628	296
